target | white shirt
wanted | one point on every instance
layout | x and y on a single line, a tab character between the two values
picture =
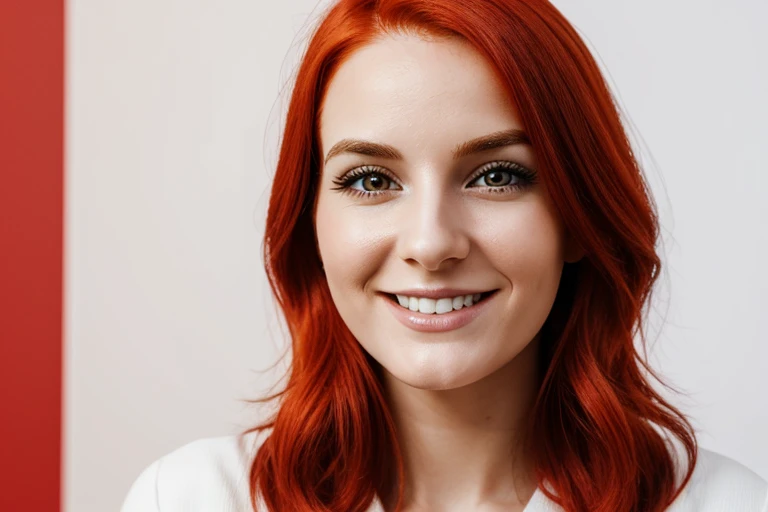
211	475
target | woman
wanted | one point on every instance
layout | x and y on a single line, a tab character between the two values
463	245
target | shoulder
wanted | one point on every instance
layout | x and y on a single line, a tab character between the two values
720	484
207	474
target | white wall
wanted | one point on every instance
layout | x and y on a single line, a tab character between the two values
693	77
173	118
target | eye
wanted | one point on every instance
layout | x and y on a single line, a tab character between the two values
366	181
502	176
373	182
495	178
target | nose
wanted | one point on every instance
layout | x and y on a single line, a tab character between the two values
433	230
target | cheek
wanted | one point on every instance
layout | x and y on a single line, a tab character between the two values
527	246
351	250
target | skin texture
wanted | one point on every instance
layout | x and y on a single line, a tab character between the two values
458	397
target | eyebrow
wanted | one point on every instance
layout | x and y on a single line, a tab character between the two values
486	142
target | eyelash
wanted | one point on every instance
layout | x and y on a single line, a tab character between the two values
525	177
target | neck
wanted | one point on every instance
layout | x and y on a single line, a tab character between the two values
463	448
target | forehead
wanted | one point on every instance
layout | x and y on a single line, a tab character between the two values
415	94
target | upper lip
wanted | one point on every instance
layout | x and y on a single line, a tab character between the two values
438	293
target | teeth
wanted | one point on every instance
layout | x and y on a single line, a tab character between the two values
443	306
437	306
427	305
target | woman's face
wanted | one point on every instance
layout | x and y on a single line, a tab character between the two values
412	202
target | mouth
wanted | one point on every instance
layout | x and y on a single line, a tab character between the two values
438	315
440	306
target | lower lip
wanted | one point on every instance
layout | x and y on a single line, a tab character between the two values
424	322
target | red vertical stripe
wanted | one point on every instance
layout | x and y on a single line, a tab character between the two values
31	207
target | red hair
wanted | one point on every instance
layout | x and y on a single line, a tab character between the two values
595	430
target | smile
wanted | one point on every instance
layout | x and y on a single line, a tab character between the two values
432	314
439	306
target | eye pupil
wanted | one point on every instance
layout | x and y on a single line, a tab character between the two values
497	178
374	182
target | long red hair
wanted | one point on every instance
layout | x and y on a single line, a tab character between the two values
595	431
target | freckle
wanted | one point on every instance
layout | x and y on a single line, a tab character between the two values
487	418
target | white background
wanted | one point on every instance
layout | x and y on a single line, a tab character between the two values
174	109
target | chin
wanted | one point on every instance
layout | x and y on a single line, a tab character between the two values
435	379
